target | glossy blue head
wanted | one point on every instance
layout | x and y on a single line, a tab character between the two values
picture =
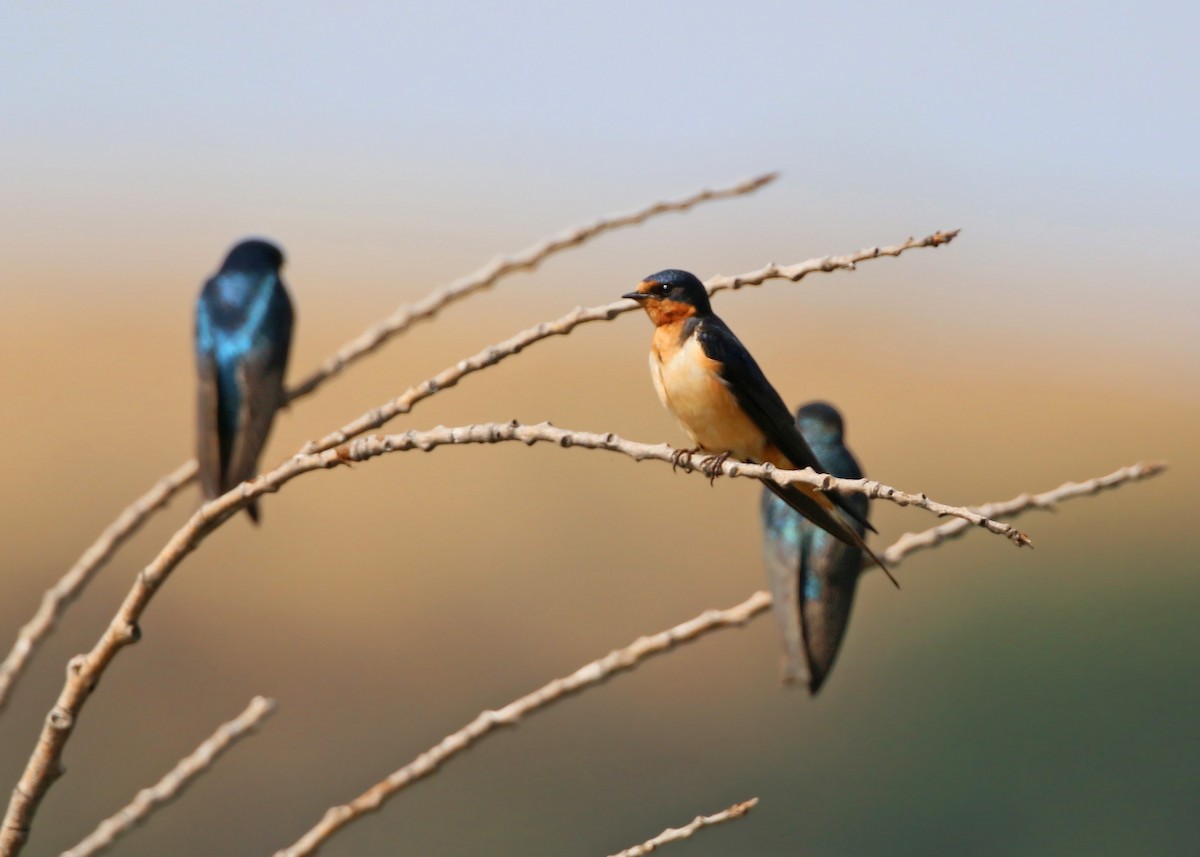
820	423
253	256
241	292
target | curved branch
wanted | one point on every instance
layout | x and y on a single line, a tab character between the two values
615	662
58	597
172	785
56	600
369	447
84	671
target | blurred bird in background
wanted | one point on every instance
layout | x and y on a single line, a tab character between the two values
243	333
812	575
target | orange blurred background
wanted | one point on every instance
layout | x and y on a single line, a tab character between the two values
1005	701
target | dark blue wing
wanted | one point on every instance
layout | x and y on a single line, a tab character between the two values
241	359
763	404
813	577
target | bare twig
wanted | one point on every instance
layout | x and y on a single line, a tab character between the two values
56	600
934	536
517	343
373	445
824	264
84	671
619	660
172	785
674	834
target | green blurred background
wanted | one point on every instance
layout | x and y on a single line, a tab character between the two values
1005	702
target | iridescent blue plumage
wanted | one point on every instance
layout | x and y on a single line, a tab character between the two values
243	333
813	576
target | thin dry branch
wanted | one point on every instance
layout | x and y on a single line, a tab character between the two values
615	662
563	325
84	671
172	785
368	447
674	834
56	600
824	264
934	536
621	660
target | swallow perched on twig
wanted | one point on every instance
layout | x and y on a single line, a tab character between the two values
812	575
709	381
243	333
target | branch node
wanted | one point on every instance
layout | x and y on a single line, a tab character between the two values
129	634
60	719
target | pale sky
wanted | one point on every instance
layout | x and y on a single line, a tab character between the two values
1061	137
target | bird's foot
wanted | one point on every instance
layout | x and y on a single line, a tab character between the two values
711	466
683	458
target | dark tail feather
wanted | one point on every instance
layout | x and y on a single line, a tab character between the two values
879	562
252	511
828	521
844	504
815	512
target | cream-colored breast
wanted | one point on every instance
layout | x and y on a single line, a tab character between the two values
690	388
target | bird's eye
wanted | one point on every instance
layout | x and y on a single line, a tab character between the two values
662	288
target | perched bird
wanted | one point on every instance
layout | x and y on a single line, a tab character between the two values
812	575
709	381
243	332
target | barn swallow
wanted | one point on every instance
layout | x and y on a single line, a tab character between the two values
243	333
812	576
709	381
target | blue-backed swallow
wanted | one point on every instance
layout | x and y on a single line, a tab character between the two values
709	381
243	333
812	575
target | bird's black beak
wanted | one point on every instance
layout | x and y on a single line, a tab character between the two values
636	296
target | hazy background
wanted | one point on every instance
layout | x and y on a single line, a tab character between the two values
1005	702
